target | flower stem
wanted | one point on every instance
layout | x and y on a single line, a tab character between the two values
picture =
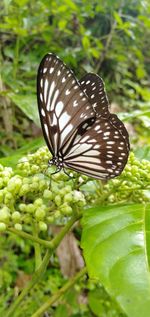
60	292
29	236
42	268
37	248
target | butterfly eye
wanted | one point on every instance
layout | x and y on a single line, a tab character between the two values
78	128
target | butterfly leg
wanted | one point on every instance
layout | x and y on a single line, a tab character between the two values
68	174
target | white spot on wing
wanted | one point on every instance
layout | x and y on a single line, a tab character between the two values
59	107
54	99
45	89
75	103
63	120
51	70
43	112
48	106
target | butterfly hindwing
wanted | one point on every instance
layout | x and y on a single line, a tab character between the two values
93	86
100	153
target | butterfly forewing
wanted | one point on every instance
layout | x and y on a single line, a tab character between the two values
63	106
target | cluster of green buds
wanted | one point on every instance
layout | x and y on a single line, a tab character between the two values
133	185
32	194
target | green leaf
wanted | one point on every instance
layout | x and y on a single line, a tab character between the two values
28	148
115	242
28	104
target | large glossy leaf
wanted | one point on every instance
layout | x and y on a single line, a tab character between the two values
116	245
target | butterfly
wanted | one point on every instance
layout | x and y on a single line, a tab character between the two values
77	125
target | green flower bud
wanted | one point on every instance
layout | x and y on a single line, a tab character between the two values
18	226
34	169
57	200
27	219
5	180
47	194
57	214
42	184
4	214
8	197
34	187
16	216
50	219
24	189
40	213
1	196
2	227
23	207
67	211
1	183
38	202
42	226
68	189
68	197
30	208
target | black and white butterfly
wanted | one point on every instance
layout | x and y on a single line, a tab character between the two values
79	130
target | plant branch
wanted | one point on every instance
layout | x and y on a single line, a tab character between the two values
59	293
28	236
108	42
37	248
42	268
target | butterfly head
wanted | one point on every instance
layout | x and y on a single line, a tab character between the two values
57	161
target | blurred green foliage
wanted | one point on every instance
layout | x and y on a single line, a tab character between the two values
108	37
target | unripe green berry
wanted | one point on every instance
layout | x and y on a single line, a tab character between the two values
2	227
42	226
18	226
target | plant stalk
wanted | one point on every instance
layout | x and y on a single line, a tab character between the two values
60	292
42	268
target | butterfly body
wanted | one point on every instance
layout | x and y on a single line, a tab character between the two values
79	130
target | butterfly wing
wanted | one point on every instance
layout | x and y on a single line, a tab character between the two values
101	152
63	106
93	86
